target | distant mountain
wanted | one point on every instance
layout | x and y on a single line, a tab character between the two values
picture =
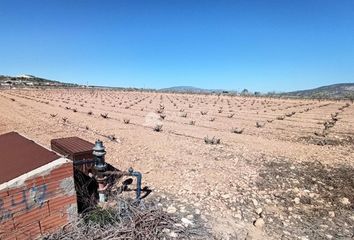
340	90
27	80
184	89
190	89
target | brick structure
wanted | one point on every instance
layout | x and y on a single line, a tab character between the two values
75	149
37	192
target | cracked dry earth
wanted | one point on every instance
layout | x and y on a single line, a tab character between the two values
292	177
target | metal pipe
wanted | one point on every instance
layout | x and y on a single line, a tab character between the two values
100	166
138	176
101	171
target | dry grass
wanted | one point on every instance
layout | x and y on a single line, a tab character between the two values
126	220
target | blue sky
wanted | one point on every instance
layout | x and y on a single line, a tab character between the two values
255	44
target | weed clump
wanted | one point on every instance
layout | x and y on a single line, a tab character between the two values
158	128
104	115
191	122
212	141
259	125
237	130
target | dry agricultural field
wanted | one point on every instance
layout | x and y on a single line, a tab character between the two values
283	168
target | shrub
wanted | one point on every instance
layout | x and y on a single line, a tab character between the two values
184	115
259	125
53	115
104	115
203	112
231	115
237	130
212	119
290	114
162	116
335	114
335	117
191	122
112	137
280	117
321	134
212	141
158	128
90	113
100	216
329	124
126	120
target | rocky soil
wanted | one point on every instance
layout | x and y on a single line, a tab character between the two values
289	177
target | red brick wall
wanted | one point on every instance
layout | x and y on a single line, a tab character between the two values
40	205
